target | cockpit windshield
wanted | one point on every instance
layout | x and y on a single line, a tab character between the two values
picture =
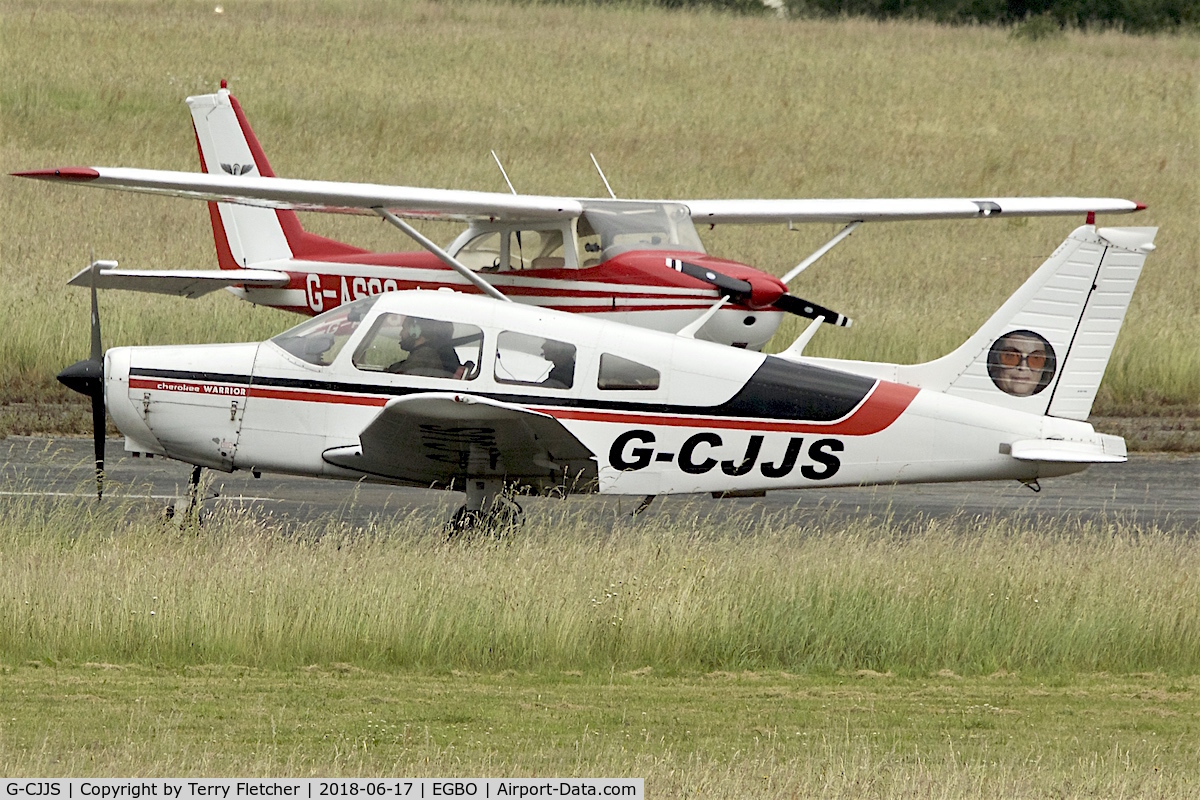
607	229
320	339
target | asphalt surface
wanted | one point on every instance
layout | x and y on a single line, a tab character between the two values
1149	490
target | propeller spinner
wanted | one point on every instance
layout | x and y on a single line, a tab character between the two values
741	290
87	378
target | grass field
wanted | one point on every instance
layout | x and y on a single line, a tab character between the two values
755	734
417	93
817	595
964	659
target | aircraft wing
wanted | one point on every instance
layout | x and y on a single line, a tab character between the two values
752	212
181	282
438	437
330	196
468	206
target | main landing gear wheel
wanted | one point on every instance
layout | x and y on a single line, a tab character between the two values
503	516
489	511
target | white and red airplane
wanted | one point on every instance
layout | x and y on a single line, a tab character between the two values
445	389
635	261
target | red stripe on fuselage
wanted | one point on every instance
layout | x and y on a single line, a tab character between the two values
197	388
882	407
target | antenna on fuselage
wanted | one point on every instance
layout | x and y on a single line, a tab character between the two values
503	172
596	164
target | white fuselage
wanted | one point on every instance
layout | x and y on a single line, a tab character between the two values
717	420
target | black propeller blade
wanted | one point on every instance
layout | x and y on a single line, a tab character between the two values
740	290
803	308
87	378
734	287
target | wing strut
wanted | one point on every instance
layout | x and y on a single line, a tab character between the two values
596	164
445	257
822	250
504	172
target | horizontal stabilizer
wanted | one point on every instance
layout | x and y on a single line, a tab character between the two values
1104	449
180	283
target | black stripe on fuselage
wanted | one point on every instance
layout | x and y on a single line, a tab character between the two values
779	389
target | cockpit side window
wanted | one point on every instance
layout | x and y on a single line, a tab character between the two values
431	348
534	361
505	250
622	373
319	340
536	249
482	252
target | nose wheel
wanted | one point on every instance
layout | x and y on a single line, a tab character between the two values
190	512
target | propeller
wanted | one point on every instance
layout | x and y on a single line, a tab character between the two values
804	308
87	378
741	290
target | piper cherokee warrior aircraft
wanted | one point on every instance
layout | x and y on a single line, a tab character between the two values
450	390
634	261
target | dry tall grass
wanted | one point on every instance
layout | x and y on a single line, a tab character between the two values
673	104
111	584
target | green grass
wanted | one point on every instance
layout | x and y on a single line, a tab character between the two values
681	596
771	734
674	104
802	658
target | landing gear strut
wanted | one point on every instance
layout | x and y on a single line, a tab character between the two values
190	514
489	510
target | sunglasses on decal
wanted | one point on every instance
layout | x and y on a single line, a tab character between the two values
1012	358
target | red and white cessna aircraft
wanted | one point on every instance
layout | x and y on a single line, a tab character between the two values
445	389
635	261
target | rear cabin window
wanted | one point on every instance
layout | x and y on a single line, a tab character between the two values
431	348
622	373
534	361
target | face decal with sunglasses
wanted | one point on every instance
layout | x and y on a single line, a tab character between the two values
1021	363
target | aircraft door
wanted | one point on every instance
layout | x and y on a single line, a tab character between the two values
196	414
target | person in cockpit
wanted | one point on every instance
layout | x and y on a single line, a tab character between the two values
430	347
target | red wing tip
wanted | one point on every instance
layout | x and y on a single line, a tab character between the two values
1139	206
61	174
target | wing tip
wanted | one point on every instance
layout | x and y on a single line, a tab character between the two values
60	174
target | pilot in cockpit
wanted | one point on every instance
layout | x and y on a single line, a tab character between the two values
430	347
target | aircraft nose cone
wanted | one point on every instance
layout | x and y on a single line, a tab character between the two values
765	290
85	377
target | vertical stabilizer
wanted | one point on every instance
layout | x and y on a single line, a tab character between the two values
1046	349
247	235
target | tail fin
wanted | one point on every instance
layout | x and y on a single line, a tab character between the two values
1045	350
246	235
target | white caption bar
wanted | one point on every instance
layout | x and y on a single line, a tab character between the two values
319	788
